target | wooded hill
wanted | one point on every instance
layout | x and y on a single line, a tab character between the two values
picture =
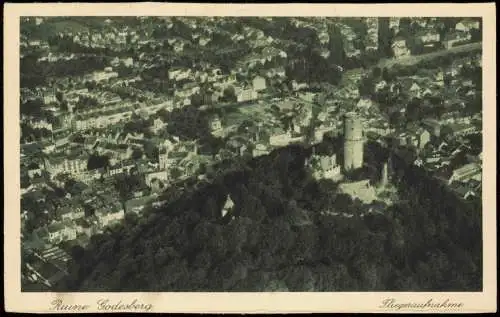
279	241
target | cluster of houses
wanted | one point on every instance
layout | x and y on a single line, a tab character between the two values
55	57
446	159
76	220
429	36
110	36
188	86
442	159
464	178
439	141
70	220
461	33
104	75
371	40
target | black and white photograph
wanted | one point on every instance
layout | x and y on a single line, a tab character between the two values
251	154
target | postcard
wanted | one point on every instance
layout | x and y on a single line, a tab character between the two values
250	158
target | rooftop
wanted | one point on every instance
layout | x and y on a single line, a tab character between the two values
56	226
361	190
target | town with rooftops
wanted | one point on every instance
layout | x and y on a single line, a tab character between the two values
188	127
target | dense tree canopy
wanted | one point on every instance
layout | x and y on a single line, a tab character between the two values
96	161
280	240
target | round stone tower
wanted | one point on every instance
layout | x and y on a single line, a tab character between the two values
353	142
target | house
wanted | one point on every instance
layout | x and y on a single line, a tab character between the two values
89	176
380	85
228	206
136	138
463	191
450	116
350	51
394	24
49	97
84	227
364	103
34	43
464	120
137	205
443	147
237	37
427	92
259	150
361	190
179	46
453	71
299	86
40	236
128	62
35	172
319	132
64	165
71	212
461	129
115	62
439	78
399	47
59	231
415	90
170	159
178	74
402	139
279	138
48	148
90	142
421	137
189	165
248	94
54	254
99	76
158	125
465	173
324	38
371	40
110	214
123	167
203	41
215	124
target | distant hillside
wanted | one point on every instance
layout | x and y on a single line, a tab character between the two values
52	27
280	241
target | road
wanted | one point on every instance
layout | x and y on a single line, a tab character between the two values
51	263
354	74
413	59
